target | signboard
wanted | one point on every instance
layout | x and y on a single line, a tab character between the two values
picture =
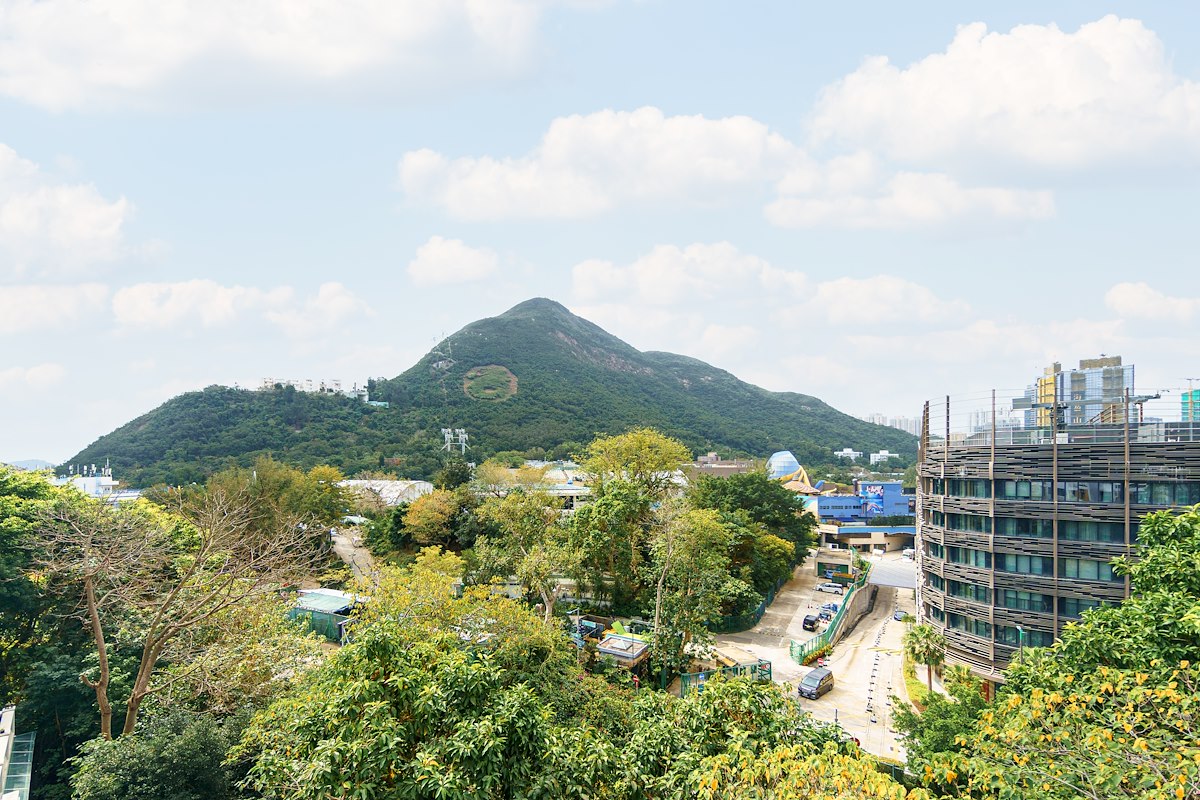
873	494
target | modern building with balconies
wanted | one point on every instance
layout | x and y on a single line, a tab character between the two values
1018	518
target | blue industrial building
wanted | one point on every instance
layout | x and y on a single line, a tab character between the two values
870	499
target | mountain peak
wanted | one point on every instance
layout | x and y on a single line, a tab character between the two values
537	305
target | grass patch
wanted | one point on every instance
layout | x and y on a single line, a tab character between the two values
492	382
915	687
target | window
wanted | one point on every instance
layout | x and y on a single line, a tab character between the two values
1025	601
1006	634
1164	494
1074	606
936	581
935	550
1085	531
1016	526
977	627
969	591
935	613
1026	565
973	558
1085	569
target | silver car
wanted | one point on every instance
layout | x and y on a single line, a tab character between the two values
835	588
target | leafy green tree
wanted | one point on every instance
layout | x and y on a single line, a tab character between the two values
945	720
454	473
609	533
529	543
924	645
642	456
23	496
178	756
763	500
689	565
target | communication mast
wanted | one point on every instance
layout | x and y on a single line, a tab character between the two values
455	437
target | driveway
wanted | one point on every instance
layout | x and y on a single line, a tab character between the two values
357	557
866	664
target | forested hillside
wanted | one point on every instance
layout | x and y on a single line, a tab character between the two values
536	376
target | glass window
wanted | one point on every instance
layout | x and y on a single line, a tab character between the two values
1006	634
1026	601
1087	570
1074	606
1027	565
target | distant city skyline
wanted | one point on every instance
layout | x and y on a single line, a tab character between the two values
856	211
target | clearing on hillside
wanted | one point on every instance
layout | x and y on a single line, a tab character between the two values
492	382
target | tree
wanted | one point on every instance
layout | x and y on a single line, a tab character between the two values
429	518
643	456
945	721
689	563
609	534
454	473
1100	734
924	645
179	756
23	495
161	575
529	544
763	500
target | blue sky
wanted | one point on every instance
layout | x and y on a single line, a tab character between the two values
871	203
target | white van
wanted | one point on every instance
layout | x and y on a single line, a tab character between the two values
908	553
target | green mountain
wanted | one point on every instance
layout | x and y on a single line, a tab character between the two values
536	376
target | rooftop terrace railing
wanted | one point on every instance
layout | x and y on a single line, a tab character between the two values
1015	419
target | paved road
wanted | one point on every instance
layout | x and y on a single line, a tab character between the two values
866	664
890	570
357	557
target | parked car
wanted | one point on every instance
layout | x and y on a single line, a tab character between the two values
899	615
826	614
810	622
816	683
835	588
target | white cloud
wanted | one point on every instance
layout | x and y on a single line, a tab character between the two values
714	302
441	261
1141	301
43	308
852	195
53	228
42	376
586	165
670	275
1036	94
62	54
327	310
883	299
206	302
209	304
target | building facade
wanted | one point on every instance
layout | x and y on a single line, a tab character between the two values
1017	524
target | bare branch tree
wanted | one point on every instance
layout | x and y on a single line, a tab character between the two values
167	573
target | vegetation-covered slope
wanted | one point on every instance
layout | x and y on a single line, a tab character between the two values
535	376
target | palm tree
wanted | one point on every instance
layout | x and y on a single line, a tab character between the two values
924	645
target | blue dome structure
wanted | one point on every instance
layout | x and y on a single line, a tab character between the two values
782	464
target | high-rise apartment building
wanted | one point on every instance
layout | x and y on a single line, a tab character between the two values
1018	523
1092	393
